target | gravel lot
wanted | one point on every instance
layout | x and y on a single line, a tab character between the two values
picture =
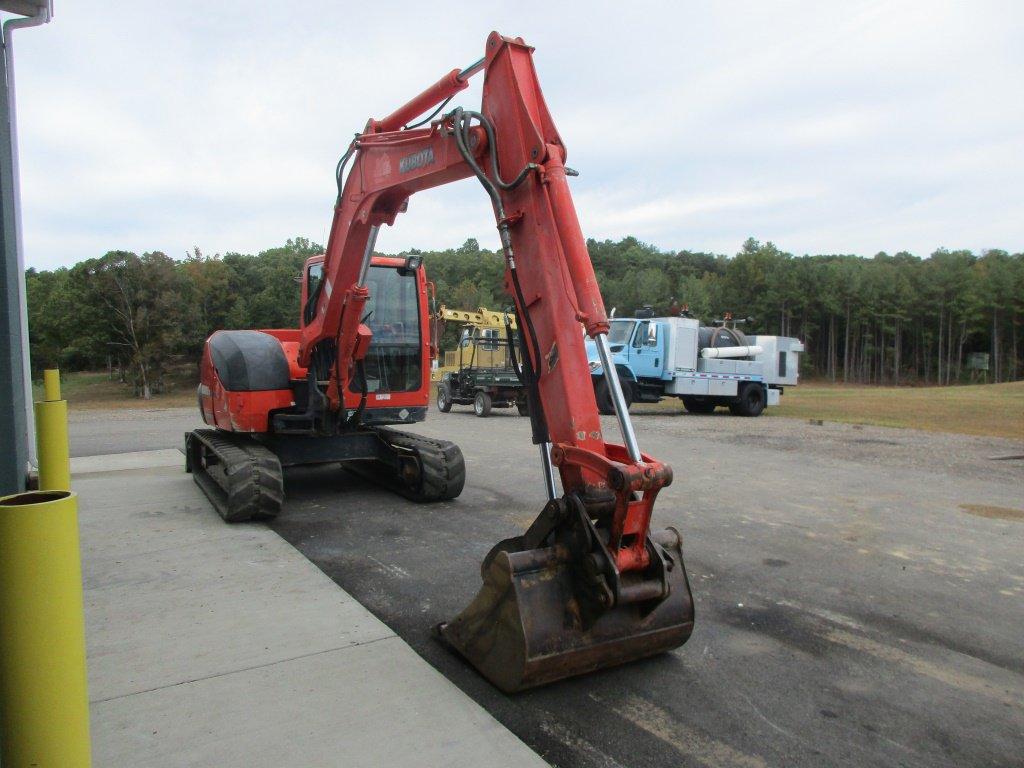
95	432
958	455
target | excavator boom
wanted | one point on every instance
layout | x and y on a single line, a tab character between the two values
587	585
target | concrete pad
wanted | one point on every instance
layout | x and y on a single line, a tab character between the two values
367	705
142	511
206	603
211	644
213	608
118	462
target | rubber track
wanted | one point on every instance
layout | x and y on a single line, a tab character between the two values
251	484
443	468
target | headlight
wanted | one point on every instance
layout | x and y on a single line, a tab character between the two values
594	365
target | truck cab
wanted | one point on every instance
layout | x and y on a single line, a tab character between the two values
705	366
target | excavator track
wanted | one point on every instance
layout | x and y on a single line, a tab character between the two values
424	469
242	478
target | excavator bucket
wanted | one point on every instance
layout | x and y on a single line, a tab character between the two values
530	624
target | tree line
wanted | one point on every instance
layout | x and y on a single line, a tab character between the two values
889	319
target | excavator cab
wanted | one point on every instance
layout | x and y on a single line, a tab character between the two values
270	411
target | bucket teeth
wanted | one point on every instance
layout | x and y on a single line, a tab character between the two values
530	624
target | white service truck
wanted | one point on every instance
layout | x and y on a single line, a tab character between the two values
704	366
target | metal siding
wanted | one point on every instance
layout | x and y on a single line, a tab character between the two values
685	343
722	387
13	416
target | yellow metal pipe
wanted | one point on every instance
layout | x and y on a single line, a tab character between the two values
52	436
44	706
51	384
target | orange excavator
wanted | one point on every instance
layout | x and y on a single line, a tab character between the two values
588	584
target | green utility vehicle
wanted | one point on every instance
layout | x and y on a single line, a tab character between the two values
484	376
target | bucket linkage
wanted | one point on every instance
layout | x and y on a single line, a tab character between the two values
581	589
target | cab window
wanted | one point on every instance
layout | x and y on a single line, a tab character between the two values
639	335
652	335
619	331
489	340
393	362
314	276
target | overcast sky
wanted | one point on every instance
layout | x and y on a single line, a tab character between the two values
824	127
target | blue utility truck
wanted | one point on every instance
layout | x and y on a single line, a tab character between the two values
704	366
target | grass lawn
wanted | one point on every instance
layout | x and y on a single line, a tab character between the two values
992	410
987	410
96	390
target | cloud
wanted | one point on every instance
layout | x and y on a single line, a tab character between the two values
852	127
606	213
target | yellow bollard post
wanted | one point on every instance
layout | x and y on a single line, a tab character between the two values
52	436
44	706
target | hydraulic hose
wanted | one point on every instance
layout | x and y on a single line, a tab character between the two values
462	119
461	122
339	170
357	414
512	355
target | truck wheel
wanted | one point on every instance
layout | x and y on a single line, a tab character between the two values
482	404
698	406
523	405
750	401
444	398
604	396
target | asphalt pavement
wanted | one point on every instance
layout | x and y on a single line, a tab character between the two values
105	432
859	592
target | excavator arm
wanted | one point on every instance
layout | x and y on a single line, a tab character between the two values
587	585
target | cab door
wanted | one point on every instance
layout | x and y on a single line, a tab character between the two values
645	354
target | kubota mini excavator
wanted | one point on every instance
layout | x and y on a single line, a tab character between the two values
588	585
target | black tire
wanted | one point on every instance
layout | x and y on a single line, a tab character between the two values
482	404
444	398
699	406
604	396
750	402
523	405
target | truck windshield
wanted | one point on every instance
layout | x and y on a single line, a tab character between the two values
394	360
620	331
